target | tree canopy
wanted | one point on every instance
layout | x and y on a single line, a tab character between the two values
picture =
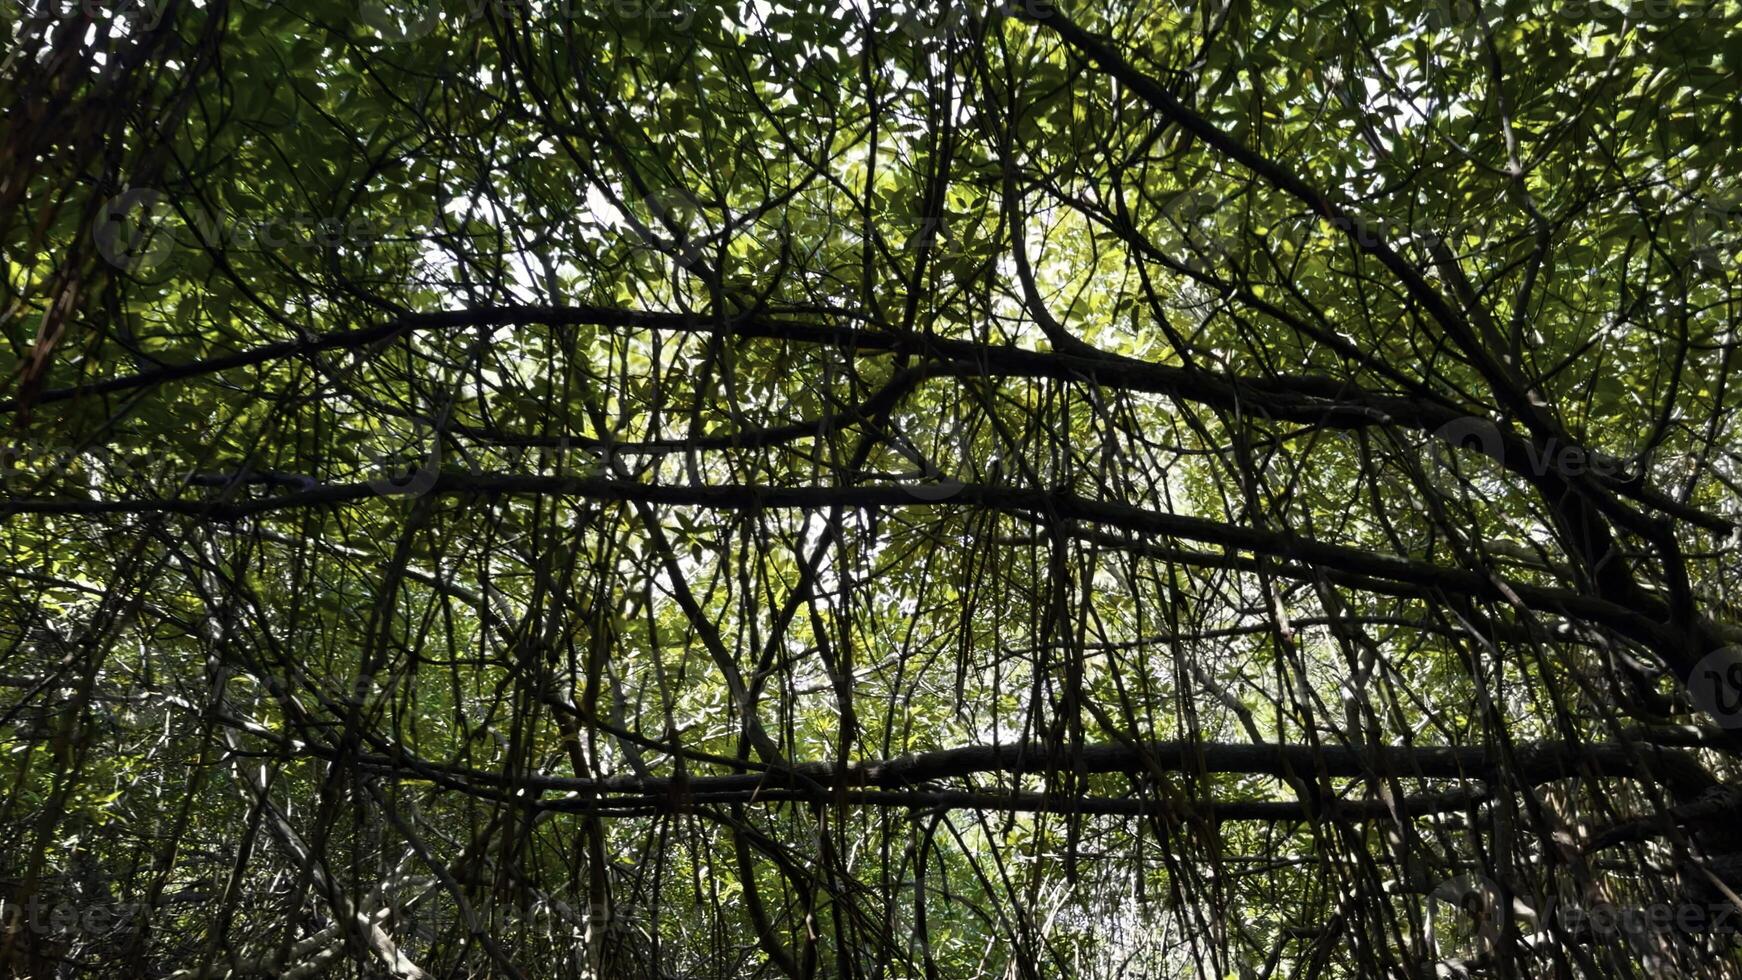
661	488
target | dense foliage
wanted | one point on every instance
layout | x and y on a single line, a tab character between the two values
656	488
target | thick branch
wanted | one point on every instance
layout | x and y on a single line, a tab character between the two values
1637	622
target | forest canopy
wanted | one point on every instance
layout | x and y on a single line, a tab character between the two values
684	489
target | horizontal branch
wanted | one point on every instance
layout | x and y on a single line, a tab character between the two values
1534	763
1206	811
1302	398
1529	764
1316	400
1038	505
